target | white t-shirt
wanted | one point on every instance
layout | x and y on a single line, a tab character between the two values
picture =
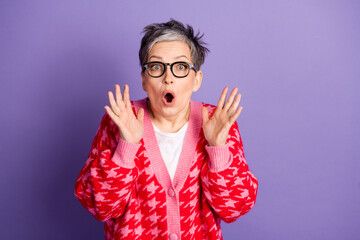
170	145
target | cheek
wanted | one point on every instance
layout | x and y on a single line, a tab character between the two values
147	84
143	85
152	89
190	85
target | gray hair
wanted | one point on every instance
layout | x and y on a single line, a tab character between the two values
170	31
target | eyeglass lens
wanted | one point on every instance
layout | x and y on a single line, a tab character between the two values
179	69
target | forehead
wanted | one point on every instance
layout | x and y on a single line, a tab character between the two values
169	50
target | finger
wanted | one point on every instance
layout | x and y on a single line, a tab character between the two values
222	98
140	115
235	104
113	104
231	99
118	95
126	96
236	115
112	115
205	114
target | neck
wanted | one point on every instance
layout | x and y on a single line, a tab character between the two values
169	124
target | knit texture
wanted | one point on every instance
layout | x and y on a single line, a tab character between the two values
128	187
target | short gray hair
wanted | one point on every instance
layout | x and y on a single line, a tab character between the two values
170	31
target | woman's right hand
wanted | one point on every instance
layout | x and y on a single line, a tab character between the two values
131	127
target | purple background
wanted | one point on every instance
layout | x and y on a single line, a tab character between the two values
297	64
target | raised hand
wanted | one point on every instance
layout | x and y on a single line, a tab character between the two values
131	127
216	129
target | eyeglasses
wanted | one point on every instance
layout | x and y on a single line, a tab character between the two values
178	69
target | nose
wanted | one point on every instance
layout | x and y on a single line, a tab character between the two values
168	76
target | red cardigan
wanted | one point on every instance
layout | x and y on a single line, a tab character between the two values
128	186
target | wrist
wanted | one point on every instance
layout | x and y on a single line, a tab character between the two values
217	144
129	140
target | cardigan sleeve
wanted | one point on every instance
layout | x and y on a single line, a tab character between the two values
229	187
105	183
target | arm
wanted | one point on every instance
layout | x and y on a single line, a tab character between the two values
229	186
108	177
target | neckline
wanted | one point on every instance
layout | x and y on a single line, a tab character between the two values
170	134
187	152
149	110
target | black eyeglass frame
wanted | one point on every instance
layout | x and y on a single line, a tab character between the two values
191	66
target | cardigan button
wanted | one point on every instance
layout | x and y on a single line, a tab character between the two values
173	236
171	192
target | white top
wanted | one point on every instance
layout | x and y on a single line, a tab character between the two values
170	145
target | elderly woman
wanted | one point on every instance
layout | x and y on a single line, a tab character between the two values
167	167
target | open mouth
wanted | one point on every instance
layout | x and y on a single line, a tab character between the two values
169	98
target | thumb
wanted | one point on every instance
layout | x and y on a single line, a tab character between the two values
205	114
140	114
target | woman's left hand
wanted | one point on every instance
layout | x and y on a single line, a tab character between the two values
216	129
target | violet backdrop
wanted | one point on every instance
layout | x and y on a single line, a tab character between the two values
297	64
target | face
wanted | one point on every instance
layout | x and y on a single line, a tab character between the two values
169	95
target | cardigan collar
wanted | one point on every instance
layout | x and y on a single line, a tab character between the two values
187	153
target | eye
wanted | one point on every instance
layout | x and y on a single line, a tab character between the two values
155	67
181	66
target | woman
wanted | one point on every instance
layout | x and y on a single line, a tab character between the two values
167	167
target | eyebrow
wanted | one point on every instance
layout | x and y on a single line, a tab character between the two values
154	56
181	57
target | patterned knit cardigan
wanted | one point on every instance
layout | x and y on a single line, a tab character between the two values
128	186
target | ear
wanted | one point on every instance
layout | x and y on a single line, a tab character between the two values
143	81
197	80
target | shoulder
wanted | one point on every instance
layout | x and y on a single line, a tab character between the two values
137	104
211	108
